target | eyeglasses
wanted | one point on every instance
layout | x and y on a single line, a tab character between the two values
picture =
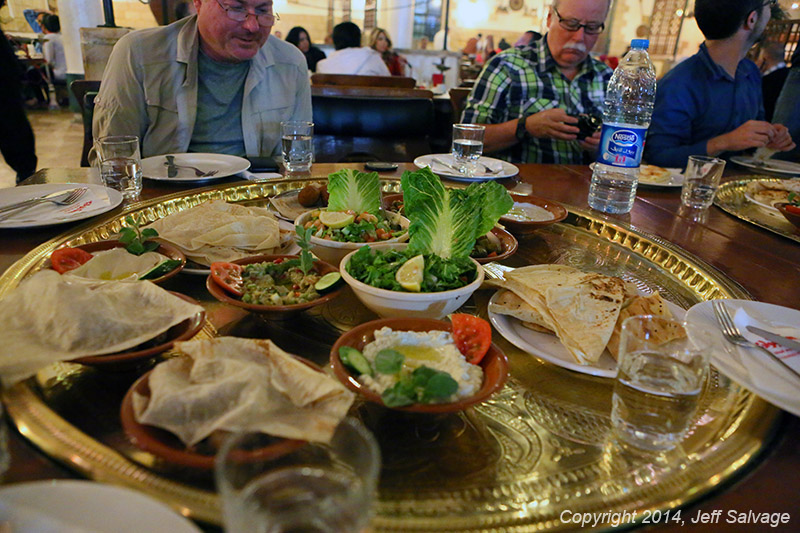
590	28
770	3
240	14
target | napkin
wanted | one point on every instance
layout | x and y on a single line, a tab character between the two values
764	371
22	518
260	176
94	199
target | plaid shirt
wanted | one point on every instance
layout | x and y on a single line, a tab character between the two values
522	81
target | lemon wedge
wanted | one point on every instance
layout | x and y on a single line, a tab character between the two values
335	219
409	276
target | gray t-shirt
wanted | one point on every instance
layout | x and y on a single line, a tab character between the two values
220	89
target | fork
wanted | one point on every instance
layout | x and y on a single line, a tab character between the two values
66	198
734	336
197	172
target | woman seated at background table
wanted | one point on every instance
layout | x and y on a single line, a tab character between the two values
299	37
380	42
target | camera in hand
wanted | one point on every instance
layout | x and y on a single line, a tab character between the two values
588	124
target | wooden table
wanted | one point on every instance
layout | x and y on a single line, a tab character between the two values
765	264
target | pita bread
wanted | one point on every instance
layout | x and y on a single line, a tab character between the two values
654	174
582	308
51	317
234	384
509	303
219	231
772	192
652	304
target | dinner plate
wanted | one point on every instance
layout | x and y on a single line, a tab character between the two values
71	505
154	168
762	204
95	201
753	369
675	179
506	169
770	165
549	347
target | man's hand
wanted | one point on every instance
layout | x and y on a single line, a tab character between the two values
553	124
591	144
781	139
751	134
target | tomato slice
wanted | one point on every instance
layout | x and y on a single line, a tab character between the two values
795	209
228	276
66	259
473	336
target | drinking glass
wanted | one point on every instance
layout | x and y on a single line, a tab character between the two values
315	488
297	143
658	383
120	164
467	146
701	181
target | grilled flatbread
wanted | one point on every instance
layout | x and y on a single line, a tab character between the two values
652	304
774	191
582	308
654	174
509	303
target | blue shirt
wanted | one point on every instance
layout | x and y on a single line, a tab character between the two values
696	101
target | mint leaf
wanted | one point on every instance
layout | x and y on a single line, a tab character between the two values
127	235
151	246
304	242
398	395
136	248
149	233
440	386
389	361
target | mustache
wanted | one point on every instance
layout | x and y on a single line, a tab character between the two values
580	47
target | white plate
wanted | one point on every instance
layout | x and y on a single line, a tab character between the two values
76	506
749	366
770	165
762	204
549	347
227	165
506	169
97	200
675	179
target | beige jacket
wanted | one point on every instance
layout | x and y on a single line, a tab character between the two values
149	89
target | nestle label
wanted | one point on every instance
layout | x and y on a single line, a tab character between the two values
621	146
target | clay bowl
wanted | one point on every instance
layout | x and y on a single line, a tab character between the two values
131	358
164	248
494	364
388	200
275	311
525	227
509	243
794	218
169	448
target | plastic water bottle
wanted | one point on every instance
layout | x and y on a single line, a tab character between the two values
629	103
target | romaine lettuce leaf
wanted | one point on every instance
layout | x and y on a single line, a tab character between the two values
494	201
444	222
351	189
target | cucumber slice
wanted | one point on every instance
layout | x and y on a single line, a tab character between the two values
161	269
354	360
327	281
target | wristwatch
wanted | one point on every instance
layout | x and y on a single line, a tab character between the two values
522	132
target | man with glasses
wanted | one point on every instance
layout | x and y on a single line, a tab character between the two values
211	82
711	104
525	96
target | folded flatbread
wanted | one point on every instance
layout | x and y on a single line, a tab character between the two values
654	174
233	384
219	231
652	304
774	191
51	318
580	307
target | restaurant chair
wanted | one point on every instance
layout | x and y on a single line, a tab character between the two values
85	92
458	99
352	80
354	124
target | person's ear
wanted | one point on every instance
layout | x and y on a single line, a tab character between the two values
197	4
751	20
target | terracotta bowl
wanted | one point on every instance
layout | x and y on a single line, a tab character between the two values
524	227
791	217
386	303
276	311
509	243
494	364
164	248
334	251
171	449
388	200
130	358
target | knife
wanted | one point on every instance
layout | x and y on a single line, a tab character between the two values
774	337
172	170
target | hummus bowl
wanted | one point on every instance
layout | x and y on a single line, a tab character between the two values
494	364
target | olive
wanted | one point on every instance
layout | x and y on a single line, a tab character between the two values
308	196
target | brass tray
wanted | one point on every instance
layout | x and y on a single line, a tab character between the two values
731	199
526	460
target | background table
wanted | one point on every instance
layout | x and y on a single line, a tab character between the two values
765	264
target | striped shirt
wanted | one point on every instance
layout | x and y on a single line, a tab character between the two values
523	81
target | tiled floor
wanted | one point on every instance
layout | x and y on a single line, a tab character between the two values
59	141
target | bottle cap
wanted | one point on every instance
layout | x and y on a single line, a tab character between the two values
640	43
